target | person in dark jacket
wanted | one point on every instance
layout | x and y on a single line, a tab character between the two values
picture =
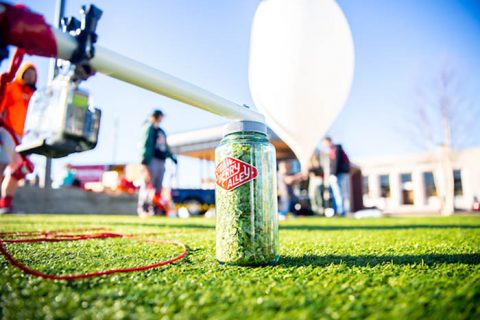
155	151
339	179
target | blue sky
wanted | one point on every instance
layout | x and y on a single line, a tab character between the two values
399	46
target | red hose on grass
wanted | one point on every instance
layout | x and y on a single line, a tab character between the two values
56	236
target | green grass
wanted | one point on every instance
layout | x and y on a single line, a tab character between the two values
423	268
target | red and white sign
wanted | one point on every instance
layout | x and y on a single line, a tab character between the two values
231	173
89	173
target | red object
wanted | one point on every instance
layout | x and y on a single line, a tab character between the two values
343	155
10	74
59	235
476	206
23	168
27	30
157	200
127	186
19	173
231	173
339	159
89	173
26	166
16	97
6	202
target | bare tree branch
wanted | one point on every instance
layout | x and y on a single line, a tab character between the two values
441	116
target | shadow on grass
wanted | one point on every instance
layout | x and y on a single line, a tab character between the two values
373	260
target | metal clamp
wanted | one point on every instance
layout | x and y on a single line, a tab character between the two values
84	32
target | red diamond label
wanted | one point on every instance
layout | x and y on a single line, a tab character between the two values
231	173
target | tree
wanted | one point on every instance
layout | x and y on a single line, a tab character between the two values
445	121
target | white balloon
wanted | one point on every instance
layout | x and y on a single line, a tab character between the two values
301	69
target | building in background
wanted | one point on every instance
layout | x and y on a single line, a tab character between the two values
410	184
201	144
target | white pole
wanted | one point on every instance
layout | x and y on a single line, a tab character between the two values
141	75
52	72
115	138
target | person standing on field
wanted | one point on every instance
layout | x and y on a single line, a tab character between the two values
13	112
285	183
155	151
315	184
339	179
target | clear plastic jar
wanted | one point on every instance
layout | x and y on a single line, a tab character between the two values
246	196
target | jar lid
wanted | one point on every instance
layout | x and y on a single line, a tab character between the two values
245	126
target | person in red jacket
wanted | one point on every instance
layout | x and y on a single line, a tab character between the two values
13	112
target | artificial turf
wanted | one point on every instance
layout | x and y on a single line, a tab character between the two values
402	268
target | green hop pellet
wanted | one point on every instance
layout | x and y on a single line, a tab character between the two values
246	196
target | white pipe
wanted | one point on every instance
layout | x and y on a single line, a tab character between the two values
141	75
